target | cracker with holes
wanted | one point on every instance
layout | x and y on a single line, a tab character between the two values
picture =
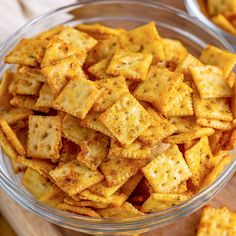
44	137
92	121
72	98
99	70
94	150
161	201
46	97
214	56
56	50
126	119
196	132
197	158
117	170
73	177
58	74
159	129
79	40
11	137
72	130
158	87
126	210
131	65
111	90
210	82
136	150
27	102
15	114
167	170
212	108
217	222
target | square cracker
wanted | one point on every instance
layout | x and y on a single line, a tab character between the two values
46	98
131	65
214	222
73	178
15	114
159	129
5	96
58	74
136	150
197	158
72	98
126	210
126	119
222	21
158	202
216	124
117	170
32	73
182	123
92	121
72	130
167	170
210	82
221	6
44	137
27	102
215	56
94	150
79	40
212	108
111	90
11	137
158	87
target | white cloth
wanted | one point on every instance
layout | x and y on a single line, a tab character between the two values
15	13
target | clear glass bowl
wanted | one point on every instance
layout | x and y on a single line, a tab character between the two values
194	10
128	14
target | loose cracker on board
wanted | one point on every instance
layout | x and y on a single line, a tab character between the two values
73	177
127	109
72	97
44	137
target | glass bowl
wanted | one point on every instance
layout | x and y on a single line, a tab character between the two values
171	23
194	10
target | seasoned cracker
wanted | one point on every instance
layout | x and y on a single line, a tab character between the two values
197	158
126	210
217	222
163	172
214	141
44	137
216	124
217	157
11	137
158	202
221	21
58	74
159	129
27	102
32	73
182	123
210	82
196	132
131	65
126	119
71	99
78	210
94	150
220	6
111	90
5	96
92	121
117	170
214	56
73	178
15	114
158	87
46	98
73	131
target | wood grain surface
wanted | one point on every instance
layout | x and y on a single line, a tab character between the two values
27	224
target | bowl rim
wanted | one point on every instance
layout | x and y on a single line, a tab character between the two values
132	223
193	9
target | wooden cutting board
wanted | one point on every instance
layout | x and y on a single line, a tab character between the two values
27	224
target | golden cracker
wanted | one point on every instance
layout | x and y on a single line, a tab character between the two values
216	124
5	96
46	98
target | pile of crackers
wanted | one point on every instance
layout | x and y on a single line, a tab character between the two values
112	123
